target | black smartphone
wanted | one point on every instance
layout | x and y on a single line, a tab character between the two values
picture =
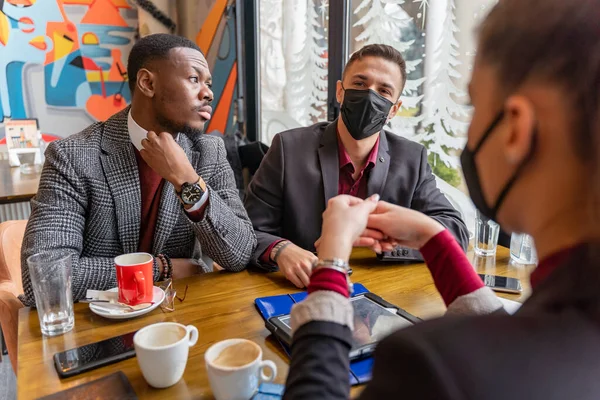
95	355
501	283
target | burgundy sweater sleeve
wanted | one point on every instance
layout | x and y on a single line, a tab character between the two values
450	268
328	279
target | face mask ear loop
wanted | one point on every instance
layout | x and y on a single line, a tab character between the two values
517	173
488	132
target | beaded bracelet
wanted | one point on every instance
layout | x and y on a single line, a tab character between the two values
279	248
167	266
170	266
163	262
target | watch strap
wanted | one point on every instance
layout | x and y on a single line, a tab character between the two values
332	262
199	182
279	248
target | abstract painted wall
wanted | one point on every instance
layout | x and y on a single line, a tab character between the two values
217	40
64	61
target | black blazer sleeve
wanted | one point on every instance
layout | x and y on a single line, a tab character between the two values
408	367
429	200
264	199
320	364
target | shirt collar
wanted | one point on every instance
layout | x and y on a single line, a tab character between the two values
344	157
550	263
137	133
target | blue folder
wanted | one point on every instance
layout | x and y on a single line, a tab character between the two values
273	306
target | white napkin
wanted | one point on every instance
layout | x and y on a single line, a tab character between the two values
102	295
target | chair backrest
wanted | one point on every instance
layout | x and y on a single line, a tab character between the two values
11	238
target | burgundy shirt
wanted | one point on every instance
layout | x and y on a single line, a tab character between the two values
151	185
151	188
346	184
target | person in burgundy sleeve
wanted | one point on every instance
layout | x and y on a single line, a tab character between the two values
531	163
145	180
353	155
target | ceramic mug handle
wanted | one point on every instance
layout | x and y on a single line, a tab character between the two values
192	333
140	282
267	364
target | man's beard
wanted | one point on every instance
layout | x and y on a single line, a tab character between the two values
174	127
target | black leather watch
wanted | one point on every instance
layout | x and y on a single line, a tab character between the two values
191	193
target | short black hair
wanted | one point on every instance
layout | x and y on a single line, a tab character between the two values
150	48
382	51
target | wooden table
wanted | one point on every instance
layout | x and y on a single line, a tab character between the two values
14	186
221	306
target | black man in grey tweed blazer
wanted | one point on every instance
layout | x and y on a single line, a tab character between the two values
88	203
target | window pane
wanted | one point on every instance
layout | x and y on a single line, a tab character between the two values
293	64
436	38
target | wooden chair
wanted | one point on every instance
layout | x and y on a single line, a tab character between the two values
11	237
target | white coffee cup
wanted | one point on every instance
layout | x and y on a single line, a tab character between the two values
162	351
239	382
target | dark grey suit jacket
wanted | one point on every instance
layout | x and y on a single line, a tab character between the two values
550	349
89	204
300	173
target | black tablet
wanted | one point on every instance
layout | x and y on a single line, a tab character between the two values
374	319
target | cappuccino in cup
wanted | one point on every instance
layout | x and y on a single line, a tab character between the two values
235	368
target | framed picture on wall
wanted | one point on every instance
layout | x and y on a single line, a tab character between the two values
22	141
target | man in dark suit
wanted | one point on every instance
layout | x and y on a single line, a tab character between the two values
146	180
306	167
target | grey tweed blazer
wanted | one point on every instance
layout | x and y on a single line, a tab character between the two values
88	203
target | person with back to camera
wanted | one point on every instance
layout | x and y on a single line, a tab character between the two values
531	163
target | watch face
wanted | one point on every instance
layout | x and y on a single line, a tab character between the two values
191	194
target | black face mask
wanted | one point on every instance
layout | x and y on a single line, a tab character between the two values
364	112
467	160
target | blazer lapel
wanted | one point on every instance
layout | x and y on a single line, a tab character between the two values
329	160
121	173
168	214
379	173
169	209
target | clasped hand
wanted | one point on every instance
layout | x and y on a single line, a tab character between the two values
349	221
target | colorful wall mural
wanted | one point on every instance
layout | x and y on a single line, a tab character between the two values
64	61
217	40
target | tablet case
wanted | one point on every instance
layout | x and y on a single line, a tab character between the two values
272	306
269	391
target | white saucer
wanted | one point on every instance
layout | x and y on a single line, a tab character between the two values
157	299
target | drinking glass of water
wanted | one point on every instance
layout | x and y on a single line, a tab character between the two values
27	163
522	249
51	280
486	236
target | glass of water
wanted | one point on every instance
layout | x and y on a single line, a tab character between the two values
51	279
522	249
486	236
27	163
